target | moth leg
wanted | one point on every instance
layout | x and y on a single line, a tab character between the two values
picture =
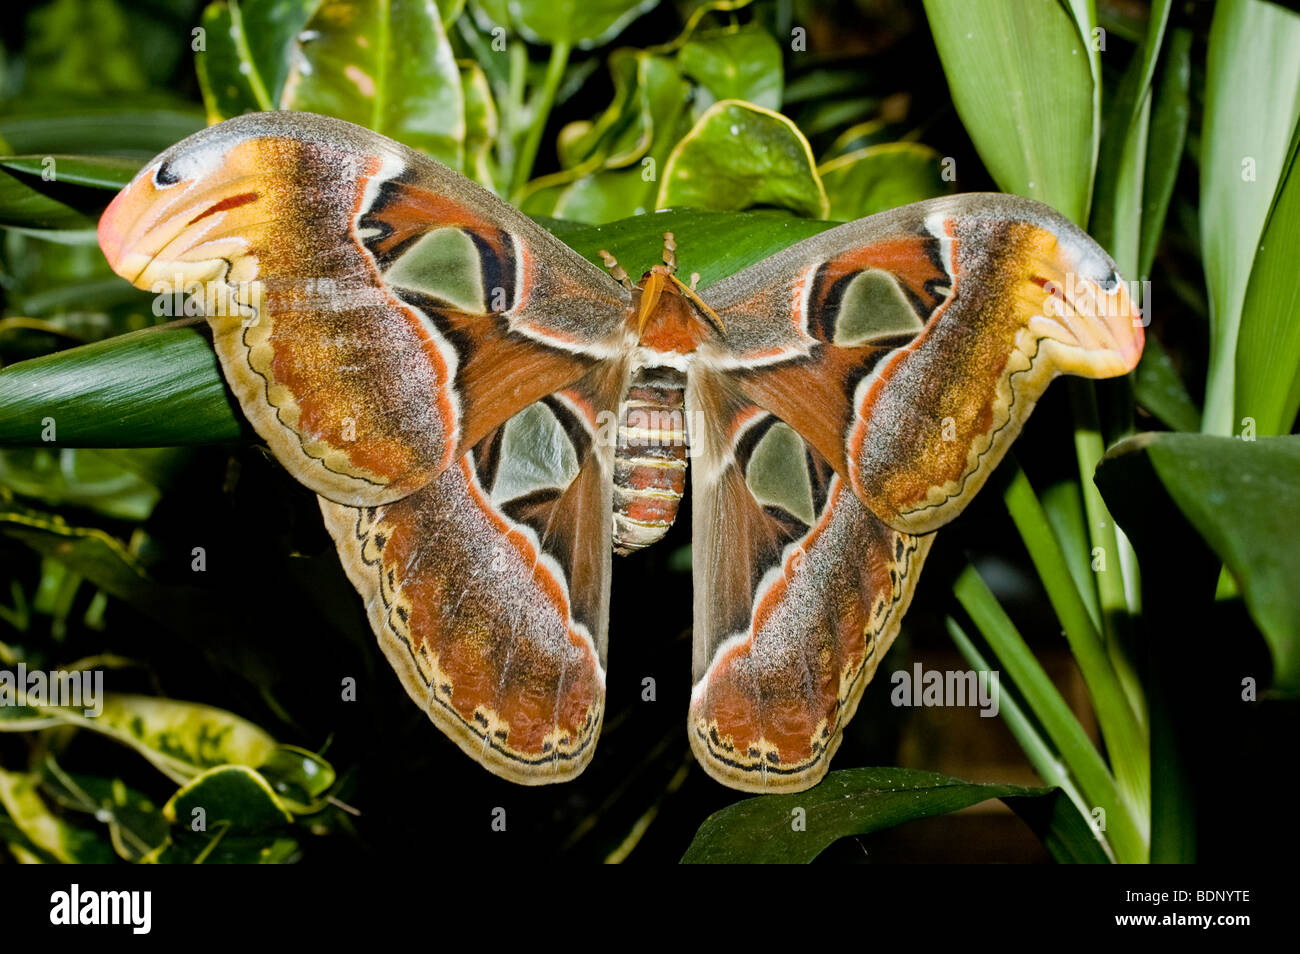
615	269
670	252
695	280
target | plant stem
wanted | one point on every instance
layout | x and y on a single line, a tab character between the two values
544	99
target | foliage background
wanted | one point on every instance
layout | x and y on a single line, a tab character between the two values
559	111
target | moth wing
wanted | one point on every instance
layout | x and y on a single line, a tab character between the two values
376	314
488	588
799	591
909	347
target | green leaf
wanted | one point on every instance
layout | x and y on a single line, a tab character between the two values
1058	819
82	551
110	393
113	484
66	843
582	23
740	64
234	795
59	191
1020	76
1242	497
848	802
137	131
135	825
227	815
1170	114
481	124
181	739
882	177
1268	346
740	156
1252	101
1116	220
386	65
99	172
655	114
298	777
247	50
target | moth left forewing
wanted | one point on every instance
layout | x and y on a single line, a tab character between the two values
489	588
910	347
375	313
799	591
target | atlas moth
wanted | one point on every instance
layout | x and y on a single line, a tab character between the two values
841	401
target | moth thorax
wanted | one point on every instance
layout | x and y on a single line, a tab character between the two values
650	461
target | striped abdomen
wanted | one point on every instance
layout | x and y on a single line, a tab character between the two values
650	462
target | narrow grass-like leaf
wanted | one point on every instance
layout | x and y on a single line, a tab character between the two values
1068	836
1170	112
1268	345
1096	784
1252	101
1021	77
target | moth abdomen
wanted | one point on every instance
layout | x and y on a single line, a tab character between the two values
650	459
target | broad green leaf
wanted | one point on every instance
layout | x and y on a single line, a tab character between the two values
59	191
123	383
136	129
227	815
848	802
247	49
740	64
883	177
99	172
299	778
87	552
386	65
1021	78
1243	498
1252	101
181	739
234	795
738	157
582	23
1268	346
24	806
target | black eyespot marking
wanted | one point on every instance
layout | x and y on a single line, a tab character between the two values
165	176
1109	285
